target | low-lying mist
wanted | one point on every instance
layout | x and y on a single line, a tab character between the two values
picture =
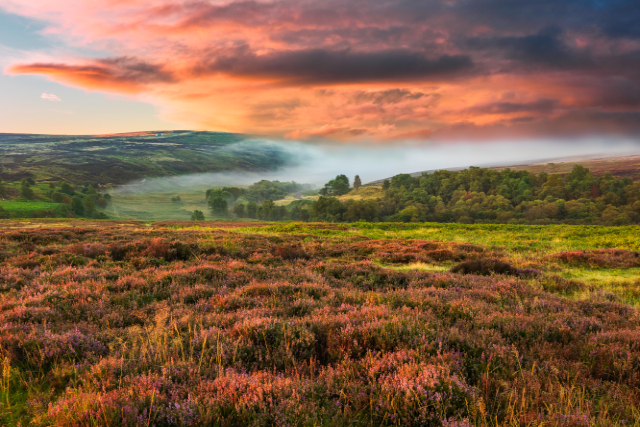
320	162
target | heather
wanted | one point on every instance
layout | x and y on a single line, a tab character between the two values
233	324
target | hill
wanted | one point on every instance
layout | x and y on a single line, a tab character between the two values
618	166
121	158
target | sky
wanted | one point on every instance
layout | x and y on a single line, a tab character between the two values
357	70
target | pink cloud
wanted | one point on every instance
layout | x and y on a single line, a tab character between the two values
50	97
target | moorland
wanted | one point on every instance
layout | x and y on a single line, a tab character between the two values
295	324
117	159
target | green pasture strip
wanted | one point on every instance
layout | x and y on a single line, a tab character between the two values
524	239
19	206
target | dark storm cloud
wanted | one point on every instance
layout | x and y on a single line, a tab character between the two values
546	48
539	106
327	66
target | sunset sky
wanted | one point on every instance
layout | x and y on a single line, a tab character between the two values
374	70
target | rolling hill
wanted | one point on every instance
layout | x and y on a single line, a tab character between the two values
121	158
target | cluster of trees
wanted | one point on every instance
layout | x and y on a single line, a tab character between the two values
85	201
481	195
244	202
340	186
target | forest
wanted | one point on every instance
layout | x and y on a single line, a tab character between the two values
483	196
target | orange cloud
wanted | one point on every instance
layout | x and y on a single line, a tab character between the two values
357	70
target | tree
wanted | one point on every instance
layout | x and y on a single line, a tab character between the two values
386	184
252	210
327	209
356	182
238	210
267	210
218	206
57	197
197	216
176	199
25	190
361	210
77	206
89	205
336	187
3	191
67	189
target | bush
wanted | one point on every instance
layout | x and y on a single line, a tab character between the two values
197	216
484	267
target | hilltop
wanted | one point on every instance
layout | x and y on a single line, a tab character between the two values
120	158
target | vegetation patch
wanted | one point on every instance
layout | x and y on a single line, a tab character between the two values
122	323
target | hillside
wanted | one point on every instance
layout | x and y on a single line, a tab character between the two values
619	166
121	158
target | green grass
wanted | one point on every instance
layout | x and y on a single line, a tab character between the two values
623	282
518	239
31	206
157	206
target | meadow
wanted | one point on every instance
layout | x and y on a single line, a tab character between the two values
230	323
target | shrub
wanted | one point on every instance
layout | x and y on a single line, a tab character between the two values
484	267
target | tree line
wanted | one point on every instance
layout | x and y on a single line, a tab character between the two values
475	195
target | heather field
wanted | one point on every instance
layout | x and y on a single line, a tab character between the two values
298	324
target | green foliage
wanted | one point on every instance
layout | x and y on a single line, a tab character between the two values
357	183
252	210
361	210
218	206
239	210
176	199
3	190
488	196
67	189
327	209
89	205
197	216
77	205
336	187
268	211
26	193
258	192
57	197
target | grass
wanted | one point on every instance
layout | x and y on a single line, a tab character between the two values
157	206
519	239
24	209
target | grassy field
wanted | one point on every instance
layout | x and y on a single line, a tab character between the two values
225	323
30	209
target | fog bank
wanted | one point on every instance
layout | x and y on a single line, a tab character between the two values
317	163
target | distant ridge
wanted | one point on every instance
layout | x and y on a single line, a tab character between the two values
599	164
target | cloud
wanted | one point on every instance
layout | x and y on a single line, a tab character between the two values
124	74
363	69
50	97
